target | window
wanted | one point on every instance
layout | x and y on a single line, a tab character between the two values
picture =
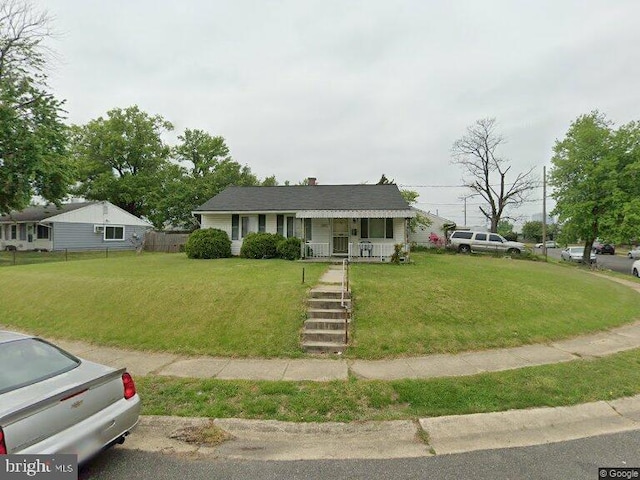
495	238
29	361
464	235
23	231
290	227
262	223
481	236
245	226
280	224
376	228
14	232
235	226
113	233
308	235
43	232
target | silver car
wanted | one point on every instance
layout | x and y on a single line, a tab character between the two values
574	254
53	402
635	253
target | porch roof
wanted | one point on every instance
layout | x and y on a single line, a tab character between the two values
355	214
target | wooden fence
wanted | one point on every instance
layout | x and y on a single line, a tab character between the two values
165	242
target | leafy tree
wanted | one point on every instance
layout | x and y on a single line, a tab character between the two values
532	231
420	220
207	169
32	135
121	159
583	175
486	172
623	223
505	229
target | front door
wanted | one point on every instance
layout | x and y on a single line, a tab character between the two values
340	236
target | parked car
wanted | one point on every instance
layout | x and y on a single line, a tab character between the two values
575	254
635	253
548	243
635	268
465	241
53	402
604	248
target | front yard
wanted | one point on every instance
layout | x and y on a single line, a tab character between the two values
255	308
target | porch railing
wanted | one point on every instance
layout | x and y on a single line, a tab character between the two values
370	250
316	250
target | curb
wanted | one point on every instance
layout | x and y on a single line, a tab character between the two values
274	440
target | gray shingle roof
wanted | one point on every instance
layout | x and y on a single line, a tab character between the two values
306	197
41	212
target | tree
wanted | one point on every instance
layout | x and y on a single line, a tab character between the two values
486	172
505	228
207	169
420	220
532	231
121	159
583	176
32	135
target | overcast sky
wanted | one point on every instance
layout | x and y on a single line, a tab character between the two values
348	90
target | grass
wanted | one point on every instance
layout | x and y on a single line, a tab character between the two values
164	302
255	308
14	258
453	303
570	383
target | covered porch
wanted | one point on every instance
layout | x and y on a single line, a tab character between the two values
358	235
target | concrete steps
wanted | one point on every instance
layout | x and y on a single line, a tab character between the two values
328	315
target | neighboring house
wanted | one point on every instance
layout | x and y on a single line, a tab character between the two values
72	226
332	220
423	236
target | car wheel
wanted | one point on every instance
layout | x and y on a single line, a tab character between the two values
513	251
635	272
464	248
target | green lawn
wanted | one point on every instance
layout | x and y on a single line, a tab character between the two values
452	303
164	302
255	308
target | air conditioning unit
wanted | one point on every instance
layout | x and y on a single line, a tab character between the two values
98	229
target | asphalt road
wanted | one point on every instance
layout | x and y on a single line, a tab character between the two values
578	459
617	263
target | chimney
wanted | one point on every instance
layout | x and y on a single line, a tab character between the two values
312	181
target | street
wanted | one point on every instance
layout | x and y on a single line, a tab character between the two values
578	459
618	263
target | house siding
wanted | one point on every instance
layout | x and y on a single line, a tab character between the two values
81	236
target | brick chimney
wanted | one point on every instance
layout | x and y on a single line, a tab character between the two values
312	181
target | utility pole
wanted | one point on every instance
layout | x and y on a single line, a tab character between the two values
465	211
544	212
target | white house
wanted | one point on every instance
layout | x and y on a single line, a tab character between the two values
72	226
333	220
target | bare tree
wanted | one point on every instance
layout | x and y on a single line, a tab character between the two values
485	173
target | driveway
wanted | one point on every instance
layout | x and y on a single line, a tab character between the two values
617	263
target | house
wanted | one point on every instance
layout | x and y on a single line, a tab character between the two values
72	226
424	236
332	220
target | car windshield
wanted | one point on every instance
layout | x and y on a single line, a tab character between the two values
30	360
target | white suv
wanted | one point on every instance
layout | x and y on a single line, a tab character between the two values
465	241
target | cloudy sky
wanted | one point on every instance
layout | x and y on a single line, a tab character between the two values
348	90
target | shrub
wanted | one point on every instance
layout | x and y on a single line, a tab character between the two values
289	248
208	243
260	245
